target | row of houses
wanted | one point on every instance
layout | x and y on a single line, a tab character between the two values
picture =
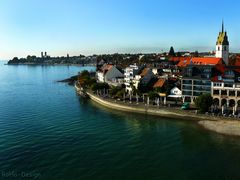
142	77
222	81
183	77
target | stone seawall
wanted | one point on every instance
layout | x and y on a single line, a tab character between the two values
163	112
220	125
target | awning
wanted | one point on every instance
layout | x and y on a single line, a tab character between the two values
175	96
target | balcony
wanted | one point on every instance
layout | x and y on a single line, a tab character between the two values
185	87
187	93
187	82
197	93
202	83
202	88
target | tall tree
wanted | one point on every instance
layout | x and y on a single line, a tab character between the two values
204	102
196	54
171	52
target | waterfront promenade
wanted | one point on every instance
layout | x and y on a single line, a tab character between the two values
143	108
220	125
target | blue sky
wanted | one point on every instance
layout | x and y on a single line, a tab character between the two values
108	26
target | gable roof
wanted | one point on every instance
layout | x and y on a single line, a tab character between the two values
159	83
114	72
200	61
144	72
106	68
177	59
221	69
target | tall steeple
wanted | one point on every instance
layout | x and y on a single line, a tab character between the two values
222	37
222	45
222	26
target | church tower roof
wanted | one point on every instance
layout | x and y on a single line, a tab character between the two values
222	37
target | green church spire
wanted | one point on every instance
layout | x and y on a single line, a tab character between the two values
222	37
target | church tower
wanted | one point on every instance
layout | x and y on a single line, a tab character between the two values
222	46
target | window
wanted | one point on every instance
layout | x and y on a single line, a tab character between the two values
231	93
218	48
228	85
220	78
216	92
231	73
217	84
225	48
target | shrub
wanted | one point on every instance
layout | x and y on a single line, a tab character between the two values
204	102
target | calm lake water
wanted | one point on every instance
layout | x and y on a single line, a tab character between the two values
48	132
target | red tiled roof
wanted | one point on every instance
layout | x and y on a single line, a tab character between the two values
176	59
159	83
237	63
220	68
200	61
144	72
106	68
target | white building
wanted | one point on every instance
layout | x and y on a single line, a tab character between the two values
175	93
130	75
114	77
110	74
226	92
100	76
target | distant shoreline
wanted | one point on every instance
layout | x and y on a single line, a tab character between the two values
49	64
219	125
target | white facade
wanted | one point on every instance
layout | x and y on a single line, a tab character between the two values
155	71
136	81
222	51
129	76
175	93
100	77
226	93
111	76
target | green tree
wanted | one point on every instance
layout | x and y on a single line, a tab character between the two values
153	95
162	89
114	90
179	54
204	102
171	52
84	73
196	54
99	86
120	93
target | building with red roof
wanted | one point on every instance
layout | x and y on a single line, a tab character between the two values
110	74
200	61
159	83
